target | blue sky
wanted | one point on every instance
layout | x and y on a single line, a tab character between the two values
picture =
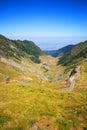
51	24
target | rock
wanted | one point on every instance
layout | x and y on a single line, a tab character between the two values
35	127
23	83
75	112
7	79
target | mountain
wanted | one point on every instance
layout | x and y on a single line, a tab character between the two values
51	52
19	49
59	52
75	56
36	96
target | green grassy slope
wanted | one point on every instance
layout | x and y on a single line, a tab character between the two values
19	49
24	107
35	96
75	56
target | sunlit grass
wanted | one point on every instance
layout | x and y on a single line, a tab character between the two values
26	106
41	103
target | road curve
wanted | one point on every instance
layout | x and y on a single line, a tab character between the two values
74	78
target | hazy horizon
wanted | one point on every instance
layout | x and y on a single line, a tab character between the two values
51	43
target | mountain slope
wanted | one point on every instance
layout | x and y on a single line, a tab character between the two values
33	96
26	104
62	51
19	49
75	56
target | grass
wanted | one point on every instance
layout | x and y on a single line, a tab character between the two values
42	104
7	70
44	107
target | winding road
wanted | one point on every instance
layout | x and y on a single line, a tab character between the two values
74	78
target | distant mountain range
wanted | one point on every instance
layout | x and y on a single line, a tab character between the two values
59	52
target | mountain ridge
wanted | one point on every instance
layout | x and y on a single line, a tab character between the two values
19	49
59	52
75	56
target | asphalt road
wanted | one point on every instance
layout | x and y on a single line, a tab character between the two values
74	78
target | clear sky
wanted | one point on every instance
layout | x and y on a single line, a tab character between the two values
50	23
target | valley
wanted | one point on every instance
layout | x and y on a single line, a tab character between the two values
35	92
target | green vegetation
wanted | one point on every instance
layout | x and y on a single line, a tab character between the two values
23	107
75	56
33	96
19	49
